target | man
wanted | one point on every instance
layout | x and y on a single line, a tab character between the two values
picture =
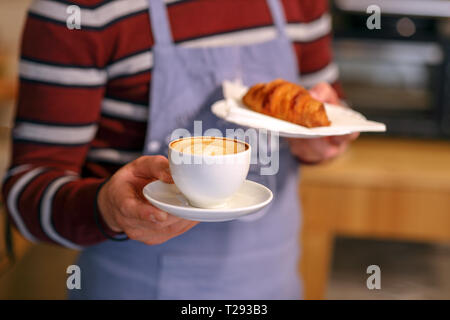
84	116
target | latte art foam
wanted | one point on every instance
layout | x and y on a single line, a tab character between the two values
208	146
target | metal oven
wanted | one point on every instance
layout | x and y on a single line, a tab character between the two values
398	74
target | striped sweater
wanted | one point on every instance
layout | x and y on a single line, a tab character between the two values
83	98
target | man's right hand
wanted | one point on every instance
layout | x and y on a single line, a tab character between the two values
124	209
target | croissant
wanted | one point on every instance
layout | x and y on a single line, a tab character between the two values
287	101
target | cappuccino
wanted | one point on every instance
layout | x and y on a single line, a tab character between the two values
208	170
208	146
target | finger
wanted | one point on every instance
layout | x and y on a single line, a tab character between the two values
316	92
322	150
166	234
337	140
343	148
188	226
151	225
315	95
152	167
171	219
180	227
325	92
142	210
313	150
320	86
171	225
336	150
331	152
354	136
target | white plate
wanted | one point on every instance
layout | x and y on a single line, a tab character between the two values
343	120
250	198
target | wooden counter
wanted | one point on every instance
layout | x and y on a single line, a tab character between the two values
381	188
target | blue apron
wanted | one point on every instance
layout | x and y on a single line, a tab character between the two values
254	258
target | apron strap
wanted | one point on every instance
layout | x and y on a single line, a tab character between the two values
160	22
161	26
276	8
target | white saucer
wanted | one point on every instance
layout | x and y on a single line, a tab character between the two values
250	198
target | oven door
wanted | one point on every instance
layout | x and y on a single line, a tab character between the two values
397	82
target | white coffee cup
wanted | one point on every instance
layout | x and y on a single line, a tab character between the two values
209	170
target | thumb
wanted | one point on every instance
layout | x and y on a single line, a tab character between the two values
315	95
152	167
319	91
324	92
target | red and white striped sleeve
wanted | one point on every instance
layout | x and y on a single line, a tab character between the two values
62	83
310	29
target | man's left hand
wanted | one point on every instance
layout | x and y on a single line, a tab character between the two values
318	150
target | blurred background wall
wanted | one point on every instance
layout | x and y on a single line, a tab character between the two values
12	17
40	270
